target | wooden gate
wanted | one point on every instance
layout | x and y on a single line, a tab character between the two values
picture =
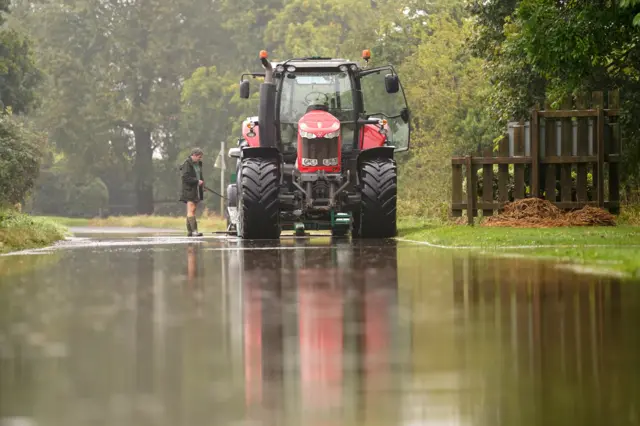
569	156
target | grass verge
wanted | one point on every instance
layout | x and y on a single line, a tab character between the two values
205	222
603	248
20	231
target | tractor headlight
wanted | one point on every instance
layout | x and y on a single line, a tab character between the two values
307	135
330	161
309	162
332	135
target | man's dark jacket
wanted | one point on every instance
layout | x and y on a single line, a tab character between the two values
190	189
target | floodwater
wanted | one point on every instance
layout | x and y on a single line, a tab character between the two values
158	330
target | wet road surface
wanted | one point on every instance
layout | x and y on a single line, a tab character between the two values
158	330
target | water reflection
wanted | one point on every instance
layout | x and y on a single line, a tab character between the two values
315	333
317	330
551	347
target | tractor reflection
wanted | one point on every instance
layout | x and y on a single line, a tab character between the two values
318	326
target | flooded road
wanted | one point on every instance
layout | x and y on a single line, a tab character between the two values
157	330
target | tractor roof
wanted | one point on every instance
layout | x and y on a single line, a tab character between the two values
315	62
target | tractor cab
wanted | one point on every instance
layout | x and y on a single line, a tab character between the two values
324	127
346	90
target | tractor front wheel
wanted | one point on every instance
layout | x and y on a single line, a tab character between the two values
258	206
378	185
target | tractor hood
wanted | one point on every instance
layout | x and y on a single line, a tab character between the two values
319	124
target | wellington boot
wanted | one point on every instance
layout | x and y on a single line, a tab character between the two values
189	230
194	227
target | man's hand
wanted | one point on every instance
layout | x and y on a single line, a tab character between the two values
200	182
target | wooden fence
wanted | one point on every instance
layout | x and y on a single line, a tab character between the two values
569	156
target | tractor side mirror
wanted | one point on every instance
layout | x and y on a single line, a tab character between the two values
244	89
234	153
391	83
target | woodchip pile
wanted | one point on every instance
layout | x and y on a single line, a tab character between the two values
538	213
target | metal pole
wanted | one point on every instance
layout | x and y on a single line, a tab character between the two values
222	171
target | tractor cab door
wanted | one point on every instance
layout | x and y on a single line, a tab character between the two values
382	97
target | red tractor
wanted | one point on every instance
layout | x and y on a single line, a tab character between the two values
321	153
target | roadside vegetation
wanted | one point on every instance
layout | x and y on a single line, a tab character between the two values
206	222
599	248
20	231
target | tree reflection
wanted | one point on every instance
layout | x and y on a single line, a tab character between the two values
547	343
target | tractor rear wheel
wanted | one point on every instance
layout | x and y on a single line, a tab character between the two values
258	204
378	185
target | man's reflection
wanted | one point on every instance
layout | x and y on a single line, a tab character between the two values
194	276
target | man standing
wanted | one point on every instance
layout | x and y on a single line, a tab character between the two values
192	188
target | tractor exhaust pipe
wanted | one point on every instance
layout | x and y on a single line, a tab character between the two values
266	110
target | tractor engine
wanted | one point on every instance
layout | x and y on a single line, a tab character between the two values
319	159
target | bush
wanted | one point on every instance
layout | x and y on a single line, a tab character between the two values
21	151
19	231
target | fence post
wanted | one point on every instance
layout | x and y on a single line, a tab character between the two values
600	165
456	192
487	184
566	150
518	169
535	155
583	151
597	100
503	171
614	148
550	151
470	190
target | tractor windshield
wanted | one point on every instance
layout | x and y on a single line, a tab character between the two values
301	90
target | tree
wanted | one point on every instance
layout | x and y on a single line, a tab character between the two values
4	8
128	60
21	151
544	50
245	28
447	90
18	75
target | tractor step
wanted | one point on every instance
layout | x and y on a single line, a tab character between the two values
299	229
342	219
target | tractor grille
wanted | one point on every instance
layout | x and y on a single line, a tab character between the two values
322	150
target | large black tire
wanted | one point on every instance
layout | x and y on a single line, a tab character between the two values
378	180
258	207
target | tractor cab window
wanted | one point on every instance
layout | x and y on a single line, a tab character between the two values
303	91
378	103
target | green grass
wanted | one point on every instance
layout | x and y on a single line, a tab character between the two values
629	215
205	222
20	231
604	248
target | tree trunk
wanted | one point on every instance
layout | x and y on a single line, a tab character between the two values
143	171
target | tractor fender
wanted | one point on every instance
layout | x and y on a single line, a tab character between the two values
378	152
261	152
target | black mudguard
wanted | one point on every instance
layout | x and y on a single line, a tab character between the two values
261	152
379	152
